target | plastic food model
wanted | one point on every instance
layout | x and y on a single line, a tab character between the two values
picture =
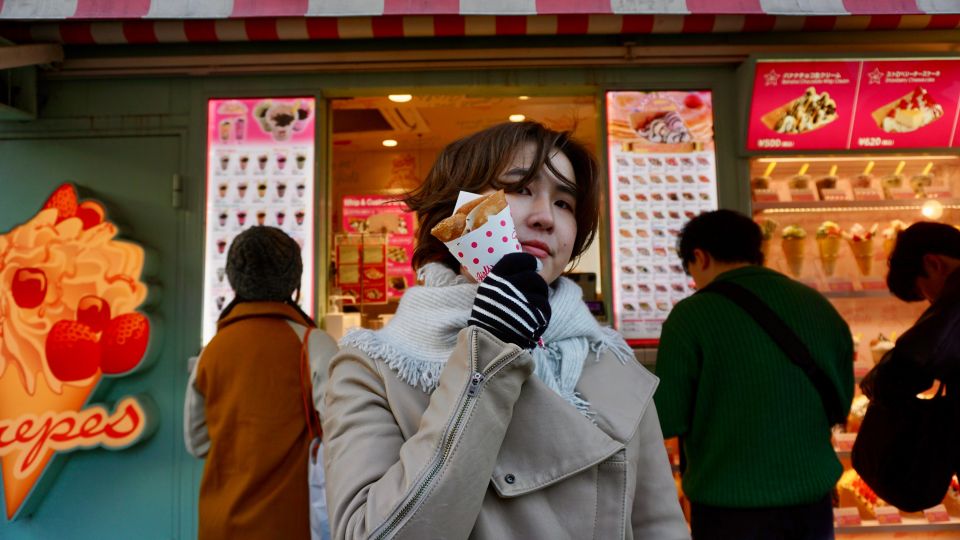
828	242
806	113
861	243
793	242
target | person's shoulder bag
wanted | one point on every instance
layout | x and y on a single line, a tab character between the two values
316	479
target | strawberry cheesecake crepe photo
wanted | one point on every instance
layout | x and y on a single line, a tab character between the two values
69	293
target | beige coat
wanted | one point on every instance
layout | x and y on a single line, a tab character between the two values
494	453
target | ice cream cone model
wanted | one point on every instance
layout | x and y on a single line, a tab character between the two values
767	228
952	499
793	242
889	236
828	242
879	347
861	244
857	410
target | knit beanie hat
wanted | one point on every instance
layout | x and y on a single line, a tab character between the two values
264	264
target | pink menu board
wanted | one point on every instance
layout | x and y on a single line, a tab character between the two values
662	170
260	156
906	104
802	105
854	104
383	214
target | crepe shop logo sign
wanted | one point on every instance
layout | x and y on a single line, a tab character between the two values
30	437
69	294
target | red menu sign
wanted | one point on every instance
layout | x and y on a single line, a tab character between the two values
906	104
840	105
802	105
382	214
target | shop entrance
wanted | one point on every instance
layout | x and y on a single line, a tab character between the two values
383	146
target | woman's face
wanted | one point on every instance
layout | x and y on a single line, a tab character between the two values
543	211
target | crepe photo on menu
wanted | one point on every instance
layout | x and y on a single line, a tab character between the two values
805	113
909	112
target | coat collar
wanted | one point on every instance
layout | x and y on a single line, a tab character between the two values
270	310
549	440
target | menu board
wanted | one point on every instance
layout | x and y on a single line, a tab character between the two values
854	104
384	214
662	173
260	155
362	267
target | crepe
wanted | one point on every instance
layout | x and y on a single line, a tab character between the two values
470	216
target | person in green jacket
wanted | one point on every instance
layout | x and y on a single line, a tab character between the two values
755	435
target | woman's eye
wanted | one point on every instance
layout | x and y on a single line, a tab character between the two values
565	205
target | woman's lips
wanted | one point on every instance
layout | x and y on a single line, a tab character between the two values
537	249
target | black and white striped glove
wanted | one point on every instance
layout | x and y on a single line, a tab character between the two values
511	301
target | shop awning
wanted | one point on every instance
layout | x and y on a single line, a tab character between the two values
198	21
222	9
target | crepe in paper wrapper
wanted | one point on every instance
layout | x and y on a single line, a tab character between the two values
480	232
828	241
861	243
794	244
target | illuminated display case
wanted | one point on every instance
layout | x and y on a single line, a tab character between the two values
845	153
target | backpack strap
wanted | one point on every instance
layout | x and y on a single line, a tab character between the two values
788	341
306	389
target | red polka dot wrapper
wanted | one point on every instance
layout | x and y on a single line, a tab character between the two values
481	248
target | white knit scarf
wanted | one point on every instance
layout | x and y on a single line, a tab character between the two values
418	340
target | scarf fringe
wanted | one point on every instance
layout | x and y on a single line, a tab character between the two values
421	374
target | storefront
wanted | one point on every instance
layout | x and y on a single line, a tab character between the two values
181	128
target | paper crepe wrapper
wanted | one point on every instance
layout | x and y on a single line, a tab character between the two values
15	403
771	118
480	249
880	113
863	253
793	250
829	251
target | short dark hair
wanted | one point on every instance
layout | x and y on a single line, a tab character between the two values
475	163
906	260
728	237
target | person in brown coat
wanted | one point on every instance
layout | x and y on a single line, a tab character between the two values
244	408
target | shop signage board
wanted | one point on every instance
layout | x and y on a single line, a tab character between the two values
384	214
260	171
361	261
854	104
662	168
69	314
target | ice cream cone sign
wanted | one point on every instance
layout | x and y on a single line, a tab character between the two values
69	293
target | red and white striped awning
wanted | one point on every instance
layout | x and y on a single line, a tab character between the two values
225	9
198	21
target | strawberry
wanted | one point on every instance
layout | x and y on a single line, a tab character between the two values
72	350
64	199
90	213
29	287
693	101
94	312
124	341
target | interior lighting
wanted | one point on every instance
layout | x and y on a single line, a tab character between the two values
523	98
932	209
399	98
389	143
517	118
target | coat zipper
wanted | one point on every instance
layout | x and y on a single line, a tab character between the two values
473	388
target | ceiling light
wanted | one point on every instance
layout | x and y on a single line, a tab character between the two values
932	209
389	143
523	98
517	118
399	98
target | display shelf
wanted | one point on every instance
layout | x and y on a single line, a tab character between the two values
856	294
909	525
820	207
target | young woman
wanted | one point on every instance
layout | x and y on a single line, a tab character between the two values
453	421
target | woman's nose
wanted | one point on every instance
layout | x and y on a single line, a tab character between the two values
541	213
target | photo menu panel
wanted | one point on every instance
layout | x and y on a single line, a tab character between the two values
662	168
260	171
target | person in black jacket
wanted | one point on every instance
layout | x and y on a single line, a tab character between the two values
924	265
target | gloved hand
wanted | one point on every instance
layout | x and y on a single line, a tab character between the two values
511	301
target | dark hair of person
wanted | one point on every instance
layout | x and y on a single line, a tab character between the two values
476	162
728	236
906	260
